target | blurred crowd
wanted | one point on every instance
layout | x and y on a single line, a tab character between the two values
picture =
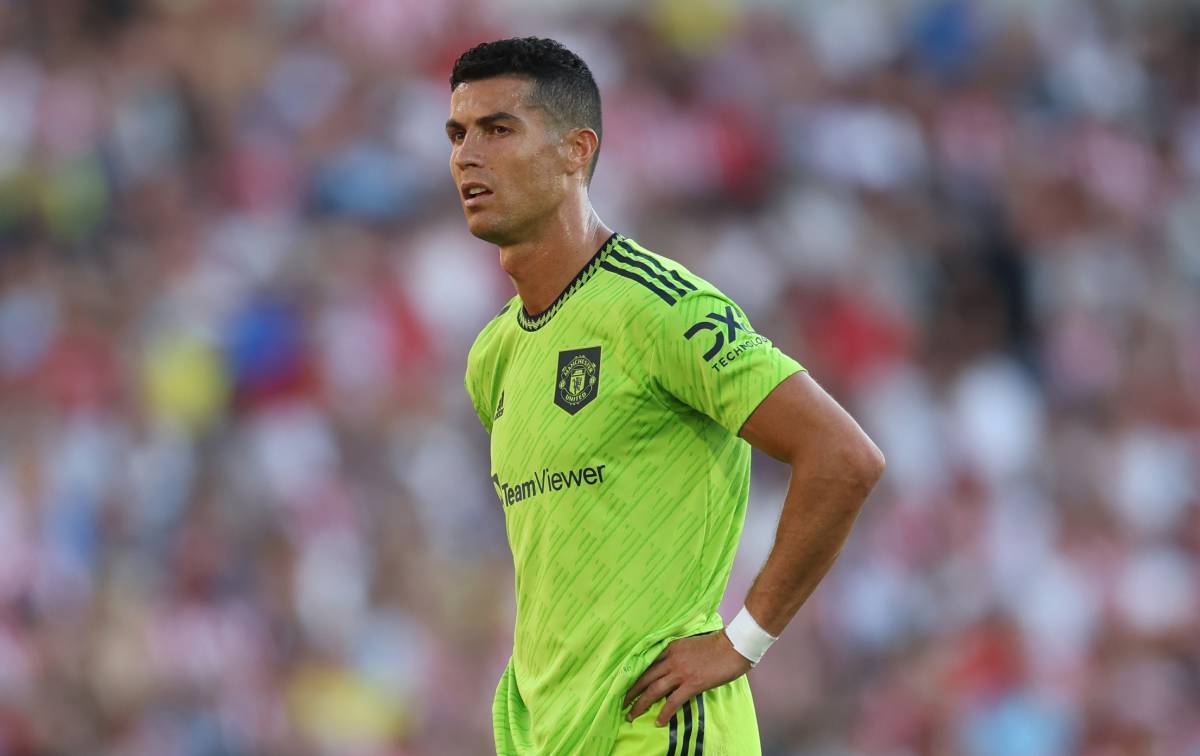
244	501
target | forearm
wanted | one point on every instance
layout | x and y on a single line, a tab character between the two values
823	500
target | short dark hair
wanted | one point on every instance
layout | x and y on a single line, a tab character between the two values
563	84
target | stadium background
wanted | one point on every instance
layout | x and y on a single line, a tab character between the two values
244	503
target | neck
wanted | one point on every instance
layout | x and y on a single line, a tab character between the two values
541	267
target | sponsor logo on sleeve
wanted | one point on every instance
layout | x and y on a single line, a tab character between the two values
723	329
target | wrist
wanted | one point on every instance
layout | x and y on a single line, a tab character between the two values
748	638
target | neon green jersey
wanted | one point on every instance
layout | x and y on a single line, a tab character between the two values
614	418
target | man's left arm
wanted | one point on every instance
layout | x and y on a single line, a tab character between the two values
834	467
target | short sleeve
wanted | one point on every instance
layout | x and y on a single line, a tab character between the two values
711	359
481	375
485	417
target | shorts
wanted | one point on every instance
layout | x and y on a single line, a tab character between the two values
718	722
722	721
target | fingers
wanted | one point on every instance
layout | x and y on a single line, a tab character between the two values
652	673
657	690
674	701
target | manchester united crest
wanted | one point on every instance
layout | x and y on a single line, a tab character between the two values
578	378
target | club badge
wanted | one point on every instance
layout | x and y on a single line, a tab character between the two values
577	379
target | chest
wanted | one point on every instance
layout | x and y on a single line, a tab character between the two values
569	404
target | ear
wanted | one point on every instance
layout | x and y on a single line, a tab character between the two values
580	147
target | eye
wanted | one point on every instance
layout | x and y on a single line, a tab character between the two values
501	130
456	136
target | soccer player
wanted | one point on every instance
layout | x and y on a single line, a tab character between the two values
620	391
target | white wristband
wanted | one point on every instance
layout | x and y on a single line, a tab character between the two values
748	638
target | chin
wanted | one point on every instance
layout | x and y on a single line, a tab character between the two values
490	231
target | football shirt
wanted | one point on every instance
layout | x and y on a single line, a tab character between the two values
614	419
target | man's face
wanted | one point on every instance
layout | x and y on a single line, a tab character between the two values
506	158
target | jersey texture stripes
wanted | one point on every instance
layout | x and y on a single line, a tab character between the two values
614	418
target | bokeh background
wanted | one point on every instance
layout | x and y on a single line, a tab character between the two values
244	501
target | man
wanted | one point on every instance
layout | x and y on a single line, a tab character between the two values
618	387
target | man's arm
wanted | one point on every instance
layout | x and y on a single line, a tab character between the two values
834	466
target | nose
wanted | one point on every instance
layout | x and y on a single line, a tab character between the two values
467	154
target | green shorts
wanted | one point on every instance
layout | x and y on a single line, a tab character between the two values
718	722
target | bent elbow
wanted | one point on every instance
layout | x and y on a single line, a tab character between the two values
873	464
864	464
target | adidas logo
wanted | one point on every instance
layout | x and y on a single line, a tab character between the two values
499	407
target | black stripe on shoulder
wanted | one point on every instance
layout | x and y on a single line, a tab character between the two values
700	725
682	280
664	296
671	743
615	255
625	245
504	309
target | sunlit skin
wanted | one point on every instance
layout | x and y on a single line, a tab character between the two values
536	170
536	210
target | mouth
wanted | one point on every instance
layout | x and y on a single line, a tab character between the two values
474	193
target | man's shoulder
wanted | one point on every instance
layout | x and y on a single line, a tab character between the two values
648	282
657	291
492	331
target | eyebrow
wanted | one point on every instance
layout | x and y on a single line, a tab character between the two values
484	120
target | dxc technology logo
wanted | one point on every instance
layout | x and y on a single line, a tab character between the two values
725	327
